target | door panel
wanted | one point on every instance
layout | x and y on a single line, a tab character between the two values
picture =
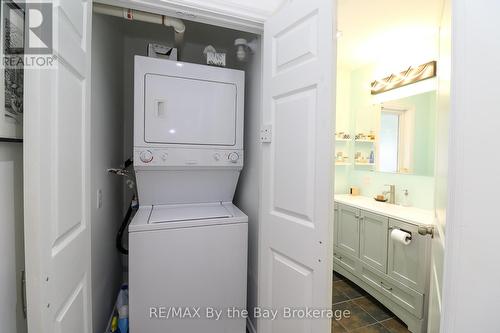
297	191
294	132
336	222
348	230
373	240
408	264
288	274
56	173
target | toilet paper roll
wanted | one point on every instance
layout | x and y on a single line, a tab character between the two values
401	236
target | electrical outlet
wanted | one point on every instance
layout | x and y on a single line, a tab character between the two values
99	198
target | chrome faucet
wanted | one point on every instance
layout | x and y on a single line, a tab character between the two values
392	193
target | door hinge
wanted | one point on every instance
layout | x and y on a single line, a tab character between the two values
23	294
266	134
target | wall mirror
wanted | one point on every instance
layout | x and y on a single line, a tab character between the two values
402	138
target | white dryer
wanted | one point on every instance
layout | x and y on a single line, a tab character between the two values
187	242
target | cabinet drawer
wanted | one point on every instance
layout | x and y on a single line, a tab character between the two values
345	260
405	297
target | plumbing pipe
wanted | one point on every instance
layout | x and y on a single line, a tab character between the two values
138	15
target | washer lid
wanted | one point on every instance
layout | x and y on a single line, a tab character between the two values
188	212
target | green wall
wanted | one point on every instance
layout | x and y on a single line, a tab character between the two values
358	107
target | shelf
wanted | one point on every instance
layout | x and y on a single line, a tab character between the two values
364	164
366	141
343	140
342	163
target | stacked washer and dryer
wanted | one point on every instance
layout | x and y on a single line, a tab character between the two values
187	241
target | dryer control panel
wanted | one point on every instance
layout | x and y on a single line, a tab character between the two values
176	157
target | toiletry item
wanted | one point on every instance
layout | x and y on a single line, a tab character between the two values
406	200
401	236
380	197
354	191
372	157
340	156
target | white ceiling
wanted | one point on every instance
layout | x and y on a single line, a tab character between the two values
387	31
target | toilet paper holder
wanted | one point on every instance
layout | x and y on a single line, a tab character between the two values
422	230
408	232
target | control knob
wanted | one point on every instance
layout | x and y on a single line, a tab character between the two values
233	157
146	156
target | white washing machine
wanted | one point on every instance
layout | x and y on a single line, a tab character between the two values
187	242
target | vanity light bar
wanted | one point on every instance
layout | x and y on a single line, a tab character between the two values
409	76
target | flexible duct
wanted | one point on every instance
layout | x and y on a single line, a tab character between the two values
138	15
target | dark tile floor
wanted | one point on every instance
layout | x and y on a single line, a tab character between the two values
367	315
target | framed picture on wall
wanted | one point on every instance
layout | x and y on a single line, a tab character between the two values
11	71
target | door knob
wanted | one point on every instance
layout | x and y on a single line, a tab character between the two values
426	230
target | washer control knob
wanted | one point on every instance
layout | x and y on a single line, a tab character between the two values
217	156
146	156
233	157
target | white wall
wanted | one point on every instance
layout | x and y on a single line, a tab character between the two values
106	152
11	237
471	295
248	191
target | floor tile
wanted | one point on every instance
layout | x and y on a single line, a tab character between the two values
357	318
349	289
394	325
375	328
374	308
338	296
337	328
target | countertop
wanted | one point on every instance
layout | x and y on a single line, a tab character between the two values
411	215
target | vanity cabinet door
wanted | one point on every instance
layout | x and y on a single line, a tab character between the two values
409	264
335	224
373	240
348	230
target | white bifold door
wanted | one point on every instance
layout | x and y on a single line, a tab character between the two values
295	267
57	168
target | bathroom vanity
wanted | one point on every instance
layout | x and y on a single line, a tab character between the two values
397	275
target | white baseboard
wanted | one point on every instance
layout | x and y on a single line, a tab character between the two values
250	326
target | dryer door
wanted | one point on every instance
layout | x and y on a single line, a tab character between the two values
189	111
